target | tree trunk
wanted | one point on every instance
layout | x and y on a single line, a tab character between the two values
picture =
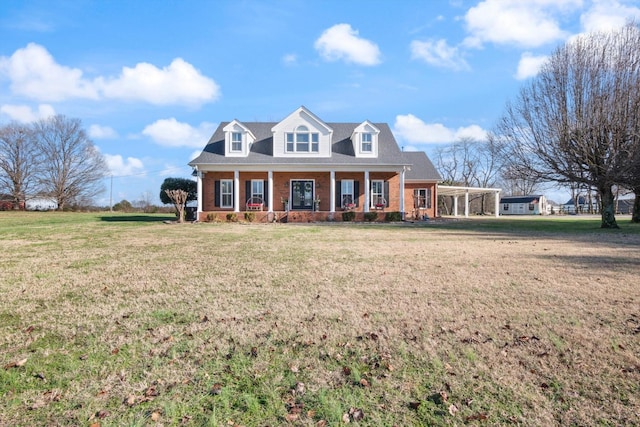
635	215
607	207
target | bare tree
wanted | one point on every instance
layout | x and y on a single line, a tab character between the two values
18	160
72	168
574	121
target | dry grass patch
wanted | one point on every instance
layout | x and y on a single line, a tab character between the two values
143	323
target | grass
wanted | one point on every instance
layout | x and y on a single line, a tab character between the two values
119	320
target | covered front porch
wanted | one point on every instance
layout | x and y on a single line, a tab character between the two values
316	195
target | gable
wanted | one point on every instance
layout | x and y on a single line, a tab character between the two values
302	134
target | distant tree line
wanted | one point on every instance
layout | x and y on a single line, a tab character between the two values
51	158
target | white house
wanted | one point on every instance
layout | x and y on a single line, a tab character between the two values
523	205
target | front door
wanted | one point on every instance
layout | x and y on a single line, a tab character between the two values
301	195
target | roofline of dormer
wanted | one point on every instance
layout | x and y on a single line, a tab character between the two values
313	116
238	122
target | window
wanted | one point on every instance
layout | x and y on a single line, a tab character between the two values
302	141
367	145
290	138
236	141
377	194
531	206
422	198
257	188
505	207
226	193
346	189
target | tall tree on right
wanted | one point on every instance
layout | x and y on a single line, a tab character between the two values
577	121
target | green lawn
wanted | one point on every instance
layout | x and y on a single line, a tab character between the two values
123	319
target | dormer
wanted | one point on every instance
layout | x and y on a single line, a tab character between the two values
302	134
365	139
237	139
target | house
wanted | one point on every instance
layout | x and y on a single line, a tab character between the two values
585	205
523	205
304	169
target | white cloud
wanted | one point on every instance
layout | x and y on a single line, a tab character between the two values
607	15
529	65
411	129
528	23
290	59
179	83
24	113
34	73
172	133
195	154
124	167
102	132
438	53
342	42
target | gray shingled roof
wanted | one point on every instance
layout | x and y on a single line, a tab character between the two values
422	168
341	152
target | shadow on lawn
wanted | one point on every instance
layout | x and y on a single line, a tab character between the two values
137	218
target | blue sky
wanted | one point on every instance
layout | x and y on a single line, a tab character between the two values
151	80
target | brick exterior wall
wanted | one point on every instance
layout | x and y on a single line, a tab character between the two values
281	184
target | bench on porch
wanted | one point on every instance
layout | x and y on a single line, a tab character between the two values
255	204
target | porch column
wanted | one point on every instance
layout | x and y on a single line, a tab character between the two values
236	191
270	191
200	176
332	191
367	185
497	203
402	209
466	204
455	205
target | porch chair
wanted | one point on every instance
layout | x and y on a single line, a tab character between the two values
379	203
347	203
255	204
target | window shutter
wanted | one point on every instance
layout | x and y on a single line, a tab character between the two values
216	194
386	194
356	192
247	190
428	198
338	193
265	187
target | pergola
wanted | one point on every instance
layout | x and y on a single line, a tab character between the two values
455	192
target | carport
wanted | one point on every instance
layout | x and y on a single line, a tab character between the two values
455	192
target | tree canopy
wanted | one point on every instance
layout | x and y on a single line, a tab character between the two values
178	191
51	157
577	121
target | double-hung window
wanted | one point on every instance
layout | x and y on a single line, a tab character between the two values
257	188
302	141
422	198
346	189
226	193
367	144
236	141
377	193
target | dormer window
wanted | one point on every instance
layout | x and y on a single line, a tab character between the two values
367	143
302	141
236	141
